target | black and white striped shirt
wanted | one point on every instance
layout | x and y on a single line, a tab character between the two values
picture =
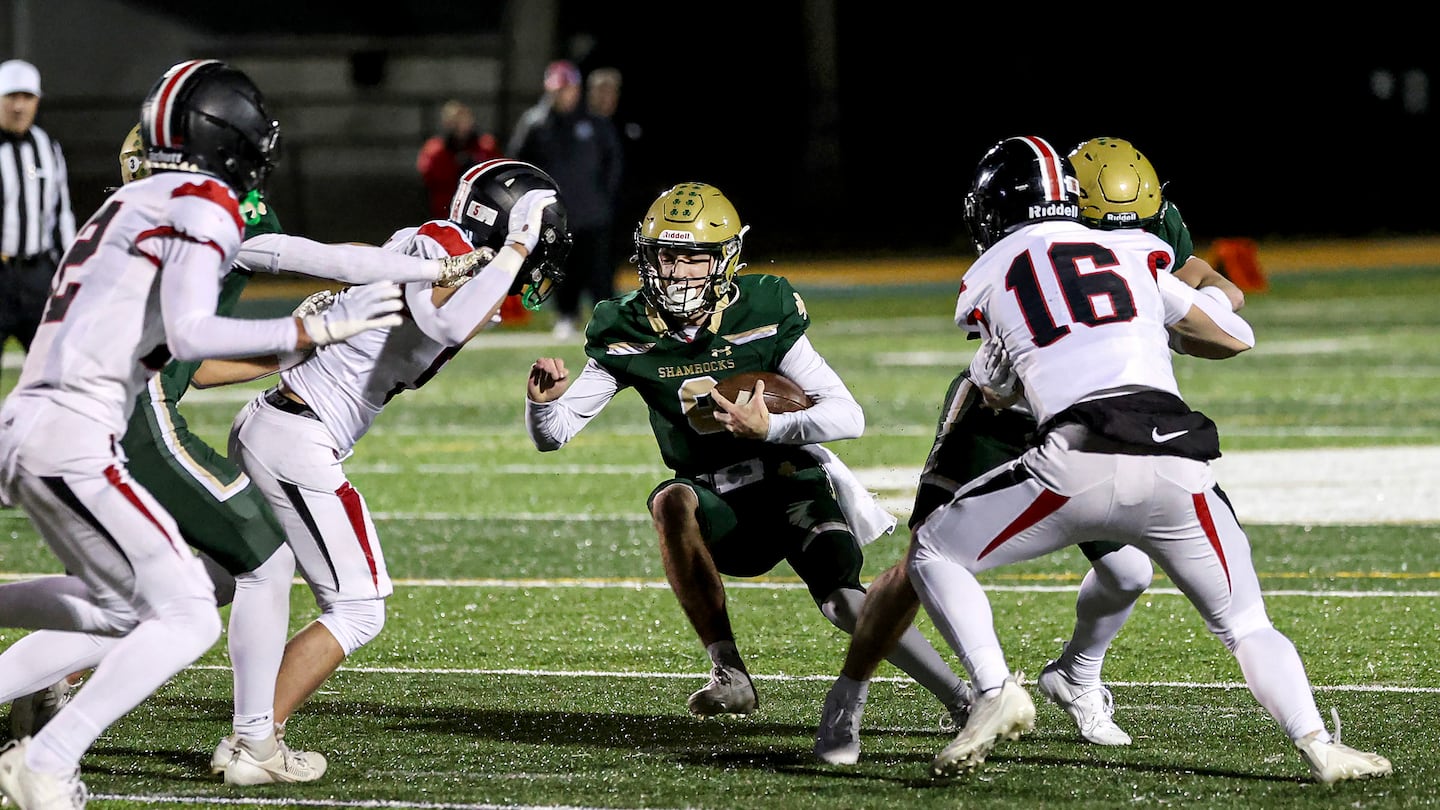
35	215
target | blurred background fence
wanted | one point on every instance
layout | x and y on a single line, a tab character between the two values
839	129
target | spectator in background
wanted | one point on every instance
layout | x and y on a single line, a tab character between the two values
36	223
582	152
447	154
602	95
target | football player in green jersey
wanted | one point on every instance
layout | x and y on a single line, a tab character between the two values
750	488
1119	188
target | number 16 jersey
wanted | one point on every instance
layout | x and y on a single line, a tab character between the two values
1080	311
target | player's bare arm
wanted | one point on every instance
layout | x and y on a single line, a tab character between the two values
1199	274
1203	337
214	372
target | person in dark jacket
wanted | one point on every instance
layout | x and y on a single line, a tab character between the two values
582	152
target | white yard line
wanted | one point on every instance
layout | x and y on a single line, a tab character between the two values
1324	487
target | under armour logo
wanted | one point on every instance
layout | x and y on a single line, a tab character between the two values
723	351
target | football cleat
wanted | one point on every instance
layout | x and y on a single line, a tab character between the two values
26	788
224	752
1091	707
282	766
729	692
838	739
1331	761
1004	713
30	713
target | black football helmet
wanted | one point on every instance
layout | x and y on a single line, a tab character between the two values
205	116
481	207
1019	181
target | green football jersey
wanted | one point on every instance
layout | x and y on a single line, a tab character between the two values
1171	228
763	320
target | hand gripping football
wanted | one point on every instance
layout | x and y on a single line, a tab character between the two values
782	394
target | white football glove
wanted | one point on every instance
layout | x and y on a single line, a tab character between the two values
456	270
525	217
370	306
314	303
992	369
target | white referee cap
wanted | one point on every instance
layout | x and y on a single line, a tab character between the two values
19	76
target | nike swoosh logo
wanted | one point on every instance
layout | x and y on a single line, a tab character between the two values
1161	438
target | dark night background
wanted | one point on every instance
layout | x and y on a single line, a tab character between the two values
1271	132
1257	134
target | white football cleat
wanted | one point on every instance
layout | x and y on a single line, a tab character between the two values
282	766
224	752
1331	762
26	788
1004	713
729	692
838	739
1091	707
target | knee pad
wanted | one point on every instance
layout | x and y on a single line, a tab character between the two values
1127	570
191	620
1241	625
842	608
354	623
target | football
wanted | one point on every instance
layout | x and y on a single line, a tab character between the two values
782	394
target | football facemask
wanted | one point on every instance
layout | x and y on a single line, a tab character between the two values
687	220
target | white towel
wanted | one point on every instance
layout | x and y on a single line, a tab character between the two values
868	520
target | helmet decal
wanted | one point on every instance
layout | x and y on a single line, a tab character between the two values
1052	174
1020	180
205	116
480	209
171	83
458	207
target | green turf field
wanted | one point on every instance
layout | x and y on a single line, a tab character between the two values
533	656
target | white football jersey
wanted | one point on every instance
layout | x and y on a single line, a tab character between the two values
1080	311
103	332
347	384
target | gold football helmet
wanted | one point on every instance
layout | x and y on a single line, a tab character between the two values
689	218
1118	186
132	157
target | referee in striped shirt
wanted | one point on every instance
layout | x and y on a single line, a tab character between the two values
36	223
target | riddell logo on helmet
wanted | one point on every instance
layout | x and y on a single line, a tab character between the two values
677	236
1121	216
1070	210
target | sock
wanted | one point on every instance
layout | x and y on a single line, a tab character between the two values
1277	679
853	692
915	657
139	664
259	621
961	612
724	653
254	728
